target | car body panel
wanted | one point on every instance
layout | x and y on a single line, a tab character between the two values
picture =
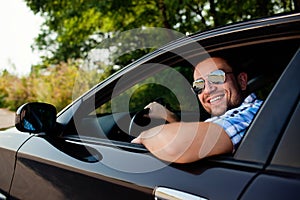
10	142
273	187
43	169
280	179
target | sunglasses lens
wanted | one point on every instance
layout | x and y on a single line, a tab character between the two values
216	77
198	86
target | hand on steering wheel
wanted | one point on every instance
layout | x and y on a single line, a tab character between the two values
152	115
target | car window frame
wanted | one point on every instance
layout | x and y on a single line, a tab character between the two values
286	157
131	147
258	144
110	82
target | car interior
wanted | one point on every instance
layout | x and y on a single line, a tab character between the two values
115	114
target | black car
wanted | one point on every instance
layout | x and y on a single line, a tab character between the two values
84	152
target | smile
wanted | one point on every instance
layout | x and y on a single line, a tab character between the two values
216	98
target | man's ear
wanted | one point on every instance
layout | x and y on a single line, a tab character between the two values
242	79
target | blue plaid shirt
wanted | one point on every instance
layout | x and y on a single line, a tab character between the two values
236	121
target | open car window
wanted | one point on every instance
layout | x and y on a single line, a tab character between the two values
171	86
107	114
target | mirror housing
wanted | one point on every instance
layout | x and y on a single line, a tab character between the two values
35	117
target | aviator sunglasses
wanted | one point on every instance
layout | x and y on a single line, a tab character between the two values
215	77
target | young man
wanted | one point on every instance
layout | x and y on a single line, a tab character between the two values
221	92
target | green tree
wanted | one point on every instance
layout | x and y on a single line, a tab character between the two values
73	27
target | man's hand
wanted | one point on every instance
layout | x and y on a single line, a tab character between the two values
157	110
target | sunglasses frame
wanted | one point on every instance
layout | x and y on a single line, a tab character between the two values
213	74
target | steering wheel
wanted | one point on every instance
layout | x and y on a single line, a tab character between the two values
141	121
138	121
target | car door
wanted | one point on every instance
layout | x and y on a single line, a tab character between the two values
79	164
71	169
280	179
82	165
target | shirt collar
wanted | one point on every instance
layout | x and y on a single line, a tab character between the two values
250	98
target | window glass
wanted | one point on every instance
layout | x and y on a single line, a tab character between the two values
288	151
108	113
171	86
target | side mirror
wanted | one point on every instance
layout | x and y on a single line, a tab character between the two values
35	117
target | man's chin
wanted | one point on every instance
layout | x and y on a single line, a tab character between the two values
218	111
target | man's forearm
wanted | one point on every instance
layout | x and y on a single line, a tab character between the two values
185	142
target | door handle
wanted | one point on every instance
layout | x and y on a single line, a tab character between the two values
163	193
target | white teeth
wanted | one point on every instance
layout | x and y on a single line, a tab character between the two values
215	99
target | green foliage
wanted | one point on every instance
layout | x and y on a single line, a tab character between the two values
73	27
13	90
57	85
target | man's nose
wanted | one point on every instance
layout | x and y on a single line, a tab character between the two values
209	87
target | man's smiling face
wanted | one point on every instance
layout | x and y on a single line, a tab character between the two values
218	98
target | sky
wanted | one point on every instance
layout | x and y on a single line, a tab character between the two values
18	28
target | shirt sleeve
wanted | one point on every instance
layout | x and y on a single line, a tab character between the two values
236	121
